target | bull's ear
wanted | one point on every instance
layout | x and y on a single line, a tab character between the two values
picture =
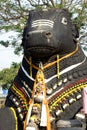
22	44
66	10
75	31
24	35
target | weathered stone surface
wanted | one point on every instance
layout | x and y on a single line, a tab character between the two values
69	123
74	128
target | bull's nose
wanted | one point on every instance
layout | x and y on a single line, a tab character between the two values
48	34
42	33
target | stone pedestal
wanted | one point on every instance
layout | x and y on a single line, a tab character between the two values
71	125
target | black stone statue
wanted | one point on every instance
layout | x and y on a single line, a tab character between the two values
49	38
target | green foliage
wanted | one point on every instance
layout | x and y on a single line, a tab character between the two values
7	75
82	15
6	44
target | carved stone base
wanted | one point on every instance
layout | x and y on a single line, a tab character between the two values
71	125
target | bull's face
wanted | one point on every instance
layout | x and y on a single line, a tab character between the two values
48	32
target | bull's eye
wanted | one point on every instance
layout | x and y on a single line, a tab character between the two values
64	21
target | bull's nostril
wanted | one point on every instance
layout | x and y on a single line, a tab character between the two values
48	34
27	36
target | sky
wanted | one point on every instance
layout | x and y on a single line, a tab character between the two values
7	55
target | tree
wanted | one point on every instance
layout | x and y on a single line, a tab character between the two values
7	75
14	13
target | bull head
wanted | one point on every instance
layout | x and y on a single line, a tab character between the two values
49	32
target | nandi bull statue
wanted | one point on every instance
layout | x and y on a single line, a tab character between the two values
48	86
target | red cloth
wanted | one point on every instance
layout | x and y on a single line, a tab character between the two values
85	100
